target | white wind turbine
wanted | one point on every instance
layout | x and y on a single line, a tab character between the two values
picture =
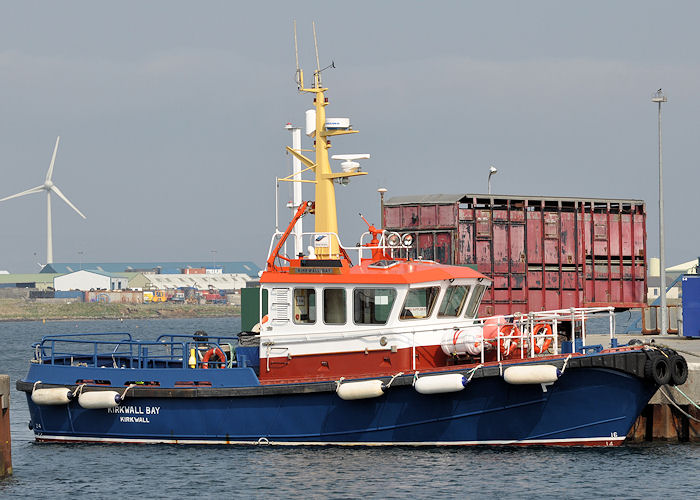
48	186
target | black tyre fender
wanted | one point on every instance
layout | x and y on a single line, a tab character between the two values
658	369
679	369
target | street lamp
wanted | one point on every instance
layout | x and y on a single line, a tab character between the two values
492	170
381	192
660	98
80	252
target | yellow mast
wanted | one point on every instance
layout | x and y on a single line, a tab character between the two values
325	210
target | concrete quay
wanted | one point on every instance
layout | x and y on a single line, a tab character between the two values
670	415
5	441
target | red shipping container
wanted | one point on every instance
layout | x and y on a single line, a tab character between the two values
542	253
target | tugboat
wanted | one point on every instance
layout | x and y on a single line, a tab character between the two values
358	345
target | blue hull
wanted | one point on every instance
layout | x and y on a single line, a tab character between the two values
586	406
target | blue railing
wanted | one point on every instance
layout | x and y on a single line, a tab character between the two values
95	350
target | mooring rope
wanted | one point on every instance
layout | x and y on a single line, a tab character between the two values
661	390
563	368
472	372
393	378
687	397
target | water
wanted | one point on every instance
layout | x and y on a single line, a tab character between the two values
164	471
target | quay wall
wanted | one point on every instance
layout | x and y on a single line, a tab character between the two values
5	441
670	416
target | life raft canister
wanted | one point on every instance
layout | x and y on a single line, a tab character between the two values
214	351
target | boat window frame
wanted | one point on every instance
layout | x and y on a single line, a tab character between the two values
345	304
432	306
462	303
479	289
391	308
294	306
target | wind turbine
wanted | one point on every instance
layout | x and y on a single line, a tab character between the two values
48	186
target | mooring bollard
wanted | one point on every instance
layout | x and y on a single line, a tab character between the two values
5	441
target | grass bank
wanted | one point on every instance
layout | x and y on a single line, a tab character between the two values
37	310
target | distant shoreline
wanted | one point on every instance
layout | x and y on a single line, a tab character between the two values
37	310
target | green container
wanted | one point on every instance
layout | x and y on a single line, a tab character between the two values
250	307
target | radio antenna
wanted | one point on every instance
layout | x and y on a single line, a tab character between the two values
318	64
299	76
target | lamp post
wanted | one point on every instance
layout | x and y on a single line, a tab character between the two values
296	170
381	192
492	170
660	98
81	259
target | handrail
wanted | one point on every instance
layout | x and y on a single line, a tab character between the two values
122	353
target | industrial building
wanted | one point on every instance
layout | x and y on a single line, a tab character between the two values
90	280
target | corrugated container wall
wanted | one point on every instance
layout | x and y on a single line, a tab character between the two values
542	253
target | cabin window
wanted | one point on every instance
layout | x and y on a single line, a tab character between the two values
334	307
453	301
475	300
372	306
304	305
419	302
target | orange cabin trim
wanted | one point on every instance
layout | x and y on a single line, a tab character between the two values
406	272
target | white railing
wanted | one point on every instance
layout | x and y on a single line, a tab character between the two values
525	327
399	250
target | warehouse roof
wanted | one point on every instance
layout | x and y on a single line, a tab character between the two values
248	268
228	281
28	278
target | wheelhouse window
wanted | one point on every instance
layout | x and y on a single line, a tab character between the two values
372	306
334	307
419	302
304	305
475	300
453	301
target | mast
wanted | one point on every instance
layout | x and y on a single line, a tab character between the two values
325	207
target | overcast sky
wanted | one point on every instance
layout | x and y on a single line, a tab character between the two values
171	114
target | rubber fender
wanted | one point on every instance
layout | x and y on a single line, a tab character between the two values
97	400
657	369
679	369
364	389
438	384
535	374
54	396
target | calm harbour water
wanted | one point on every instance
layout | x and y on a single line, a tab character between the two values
165	471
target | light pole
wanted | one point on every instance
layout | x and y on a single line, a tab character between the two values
660	98
81	259
296	169
381	192
213	258
492	170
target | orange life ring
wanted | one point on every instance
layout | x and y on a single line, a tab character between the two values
546	341
507	346
211	352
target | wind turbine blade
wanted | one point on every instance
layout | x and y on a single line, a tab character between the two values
63	197
33	190
53	159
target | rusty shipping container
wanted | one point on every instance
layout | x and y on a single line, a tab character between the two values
542	253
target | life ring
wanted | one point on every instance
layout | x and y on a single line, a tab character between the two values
507	346
214	351
542	344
